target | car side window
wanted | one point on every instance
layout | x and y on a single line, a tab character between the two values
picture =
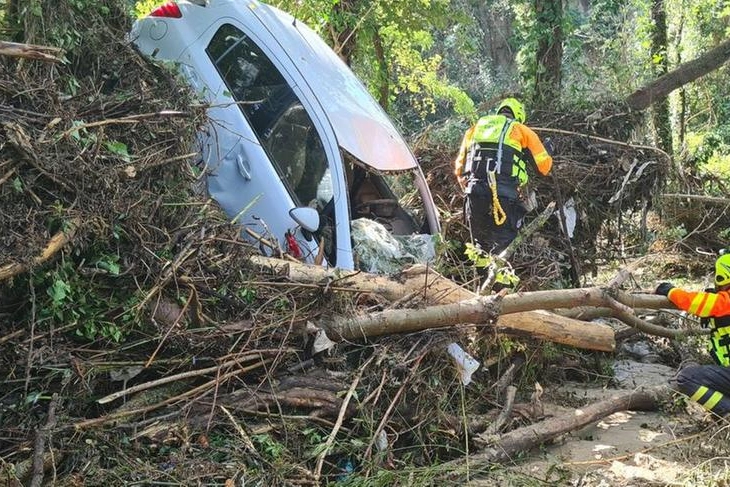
275	113
281	123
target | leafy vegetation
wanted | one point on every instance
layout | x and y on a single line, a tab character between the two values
153	286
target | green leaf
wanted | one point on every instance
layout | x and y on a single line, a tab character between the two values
118	149
59	291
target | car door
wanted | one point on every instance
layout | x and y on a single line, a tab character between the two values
264	148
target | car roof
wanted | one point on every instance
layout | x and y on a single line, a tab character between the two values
360	124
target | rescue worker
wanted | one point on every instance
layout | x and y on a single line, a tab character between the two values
709	385
491	167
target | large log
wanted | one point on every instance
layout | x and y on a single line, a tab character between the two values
507	446
458	305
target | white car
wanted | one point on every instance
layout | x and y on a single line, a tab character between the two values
296	149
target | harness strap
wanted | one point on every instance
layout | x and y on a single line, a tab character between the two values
498	164
497	211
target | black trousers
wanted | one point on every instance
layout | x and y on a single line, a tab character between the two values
708	385
484	231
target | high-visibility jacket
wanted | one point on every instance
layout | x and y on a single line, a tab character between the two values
716	307
519	144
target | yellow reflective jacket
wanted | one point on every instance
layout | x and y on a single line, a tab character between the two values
518	137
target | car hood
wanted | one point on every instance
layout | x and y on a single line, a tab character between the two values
360	124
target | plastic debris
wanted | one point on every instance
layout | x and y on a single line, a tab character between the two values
380	252
466	364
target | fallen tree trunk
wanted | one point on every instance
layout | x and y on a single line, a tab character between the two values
438	289
505	447
538	324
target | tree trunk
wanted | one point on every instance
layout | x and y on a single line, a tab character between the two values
496	28
685	73
523	439
549	14
456	307
660	62
511	314
344	35
383	77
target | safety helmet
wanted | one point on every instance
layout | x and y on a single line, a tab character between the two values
518	110
722	270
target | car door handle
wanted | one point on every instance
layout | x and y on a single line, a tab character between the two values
244	168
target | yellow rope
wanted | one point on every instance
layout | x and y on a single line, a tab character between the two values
499	215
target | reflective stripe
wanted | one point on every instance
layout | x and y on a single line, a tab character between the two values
701	391
718	345
697	303
712	401
707	308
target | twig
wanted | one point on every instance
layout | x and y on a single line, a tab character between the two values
340	418
175	378
129	119
643	450
392	405
31	51
169	329
505	255
54	245
171	400
509	401
168	273
715	200
7	176
625	273
247	443
29	363
42	436
602	139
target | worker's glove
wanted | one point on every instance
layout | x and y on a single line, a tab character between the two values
664	288
549	146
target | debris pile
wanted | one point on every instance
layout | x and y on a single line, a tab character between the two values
602	186
142	345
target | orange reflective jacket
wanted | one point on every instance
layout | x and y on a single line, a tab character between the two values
701	304
716	307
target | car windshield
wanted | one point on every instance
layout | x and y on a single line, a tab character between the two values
275	114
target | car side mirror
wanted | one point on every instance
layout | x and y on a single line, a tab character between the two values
306	217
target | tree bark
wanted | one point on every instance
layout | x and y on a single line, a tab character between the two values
683	74
660	114
523	439
496	28
438	289
522	314
549	14
510	310
31	51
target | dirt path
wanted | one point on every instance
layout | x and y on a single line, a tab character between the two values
628	448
